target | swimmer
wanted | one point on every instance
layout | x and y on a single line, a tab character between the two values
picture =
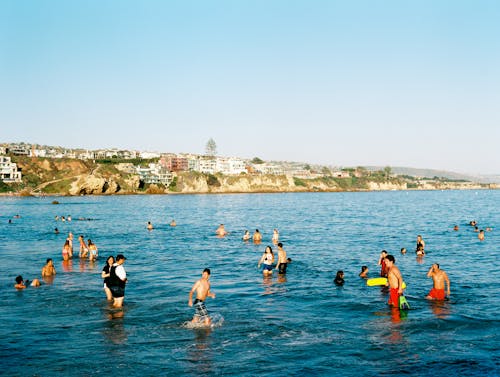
48	269
276	236
403	250
149	226
246	236
339	278
439	278
257	237
220	231
84	250
202	288
420	245
381	263
395	280
66	251
173	223
93	252
364	272
56	231
19	282
282	260
455	228
481	235
267	259
117	281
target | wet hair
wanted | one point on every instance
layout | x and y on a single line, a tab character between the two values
364	268
437	264
270	249
339	273
280	244
19	279
391	258
48	260
257	230
207	270
384	251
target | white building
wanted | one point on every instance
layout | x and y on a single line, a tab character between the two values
155	173
268	169
230	166
207	165
8	170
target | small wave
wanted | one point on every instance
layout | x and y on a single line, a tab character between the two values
217	321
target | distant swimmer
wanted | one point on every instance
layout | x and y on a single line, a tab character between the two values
221	231
149	226
364	272
403	250
257	237
420	250
339	278
267	259
439	278
473	223
84	250
117	281
481	235
48	269
105	274
202	288
276	236
395	280
382	264
173	223
282	260
246	236
93	252
455	228
56	231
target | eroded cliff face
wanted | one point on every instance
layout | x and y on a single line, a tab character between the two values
92	185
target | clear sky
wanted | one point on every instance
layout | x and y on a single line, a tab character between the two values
345	83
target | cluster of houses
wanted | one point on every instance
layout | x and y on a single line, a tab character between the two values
156	172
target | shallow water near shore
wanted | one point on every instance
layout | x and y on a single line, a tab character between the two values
299	324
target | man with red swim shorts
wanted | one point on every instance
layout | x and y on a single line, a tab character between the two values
395	281
440	278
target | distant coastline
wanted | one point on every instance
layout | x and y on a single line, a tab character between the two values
71	177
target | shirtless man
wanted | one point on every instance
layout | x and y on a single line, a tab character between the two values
440	278
480	236
282	260
395	281
257	237
48	269
202	288
221	231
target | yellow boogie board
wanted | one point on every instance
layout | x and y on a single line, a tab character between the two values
379	281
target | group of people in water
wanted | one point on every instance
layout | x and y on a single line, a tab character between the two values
115	278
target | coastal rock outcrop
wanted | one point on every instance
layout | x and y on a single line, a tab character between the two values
92	185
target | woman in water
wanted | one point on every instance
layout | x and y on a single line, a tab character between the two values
105	275
246	236
339	278
84	250
276	236
420	245
268	260
93	254
66	250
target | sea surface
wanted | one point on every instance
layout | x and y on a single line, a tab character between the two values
300	324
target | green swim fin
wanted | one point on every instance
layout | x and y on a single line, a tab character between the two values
403	303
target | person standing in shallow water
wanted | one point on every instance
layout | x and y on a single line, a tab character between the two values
257	237
395	280
267	259
117	280
105	274
48	269
439	277
282	260
382	264
202	289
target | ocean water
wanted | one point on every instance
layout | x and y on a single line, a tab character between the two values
297	325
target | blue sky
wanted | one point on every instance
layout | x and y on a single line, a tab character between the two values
345	83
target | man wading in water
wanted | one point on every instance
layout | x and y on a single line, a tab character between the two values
202	288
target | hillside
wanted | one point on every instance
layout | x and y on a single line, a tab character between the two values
79	177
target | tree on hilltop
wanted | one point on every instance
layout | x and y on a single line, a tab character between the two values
211	148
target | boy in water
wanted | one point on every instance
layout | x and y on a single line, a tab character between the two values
439	278
202	288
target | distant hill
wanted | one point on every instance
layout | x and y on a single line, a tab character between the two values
431	173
